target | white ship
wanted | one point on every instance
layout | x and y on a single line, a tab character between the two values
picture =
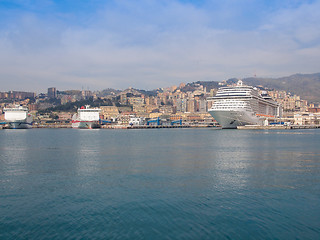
86	117
17	117
242	105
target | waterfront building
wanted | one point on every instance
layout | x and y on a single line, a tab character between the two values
181	105
305	118
136	121
154	115
202	105
139	108
167	109
191	106
109	112
64	116
151	108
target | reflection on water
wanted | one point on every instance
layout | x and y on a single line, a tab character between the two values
160	183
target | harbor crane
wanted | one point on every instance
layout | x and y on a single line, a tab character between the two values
177	121
102	121
157	120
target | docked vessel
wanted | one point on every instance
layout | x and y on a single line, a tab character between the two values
86	117
241	105
17	117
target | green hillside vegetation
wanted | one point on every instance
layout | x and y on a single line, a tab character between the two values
307	86
73	106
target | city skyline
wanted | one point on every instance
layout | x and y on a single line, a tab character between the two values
151	44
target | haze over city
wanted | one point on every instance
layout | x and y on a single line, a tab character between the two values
150	44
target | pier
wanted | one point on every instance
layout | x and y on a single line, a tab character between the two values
157	126
247	127
270	127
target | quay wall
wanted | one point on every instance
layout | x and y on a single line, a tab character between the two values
248	127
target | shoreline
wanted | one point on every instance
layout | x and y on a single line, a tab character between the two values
276	127
247	127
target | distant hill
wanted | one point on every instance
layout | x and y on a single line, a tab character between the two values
305	85
133	91
207	84
108	91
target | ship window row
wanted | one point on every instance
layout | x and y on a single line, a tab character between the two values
231	101
231	107
15	110
236	89
232	96
234	92
92	110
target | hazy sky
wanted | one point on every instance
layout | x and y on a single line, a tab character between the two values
149	44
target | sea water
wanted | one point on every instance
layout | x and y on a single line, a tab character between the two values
159	184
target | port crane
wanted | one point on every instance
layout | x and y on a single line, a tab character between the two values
177	121
157	120
102	121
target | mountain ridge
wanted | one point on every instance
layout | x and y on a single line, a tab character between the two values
305	85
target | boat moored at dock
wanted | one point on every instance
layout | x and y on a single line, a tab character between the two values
86	117
242	105
17	117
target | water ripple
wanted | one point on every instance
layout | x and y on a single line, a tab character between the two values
159	184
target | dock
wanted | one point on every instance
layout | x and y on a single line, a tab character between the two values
247	127
158	126
277	127
52	126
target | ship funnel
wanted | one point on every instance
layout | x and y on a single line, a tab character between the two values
239	83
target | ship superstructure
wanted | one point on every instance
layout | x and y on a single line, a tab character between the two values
17	117
86	117
241	105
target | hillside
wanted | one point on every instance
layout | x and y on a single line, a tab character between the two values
305	85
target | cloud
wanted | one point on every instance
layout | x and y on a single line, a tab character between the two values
150	44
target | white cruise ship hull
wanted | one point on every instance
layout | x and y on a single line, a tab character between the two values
17	118
86	124
19	125
86	117
234	118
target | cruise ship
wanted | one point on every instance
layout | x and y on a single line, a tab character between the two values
86	117
241	105
17	117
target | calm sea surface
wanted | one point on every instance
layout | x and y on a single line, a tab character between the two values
159	184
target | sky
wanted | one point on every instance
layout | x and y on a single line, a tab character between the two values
147	44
